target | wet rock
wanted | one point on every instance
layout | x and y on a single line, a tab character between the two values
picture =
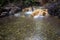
14	9
9	9
4	12
54	9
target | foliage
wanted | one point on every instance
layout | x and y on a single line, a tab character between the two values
1	2
25	2
28	2
4	2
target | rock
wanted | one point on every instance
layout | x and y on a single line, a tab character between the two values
54	9
4	12
14	9
40	12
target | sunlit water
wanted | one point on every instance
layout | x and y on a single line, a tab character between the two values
17	14
21	27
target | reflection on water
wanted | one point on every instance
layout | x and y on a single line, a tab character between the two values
38	16
17	14
28	12
24	28
34	38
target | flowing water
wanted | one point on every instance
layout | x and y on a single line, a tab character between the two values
22	27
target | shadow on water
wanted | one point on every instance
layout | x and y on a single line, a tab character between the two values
20	27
